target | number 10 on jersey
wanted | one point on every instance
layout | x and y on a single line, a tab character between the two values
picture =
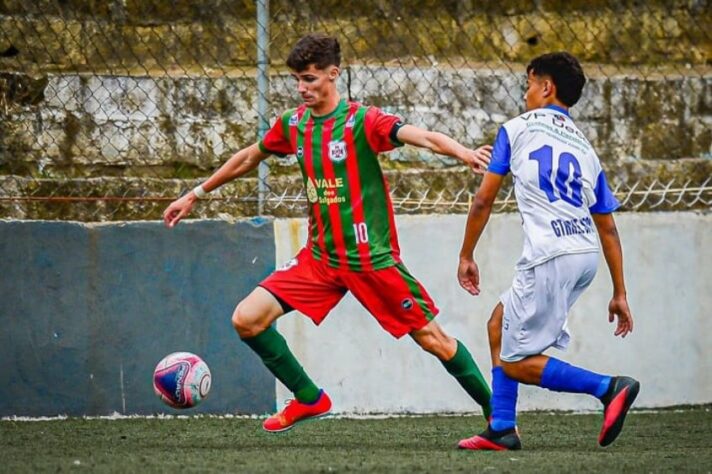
568	183
361	233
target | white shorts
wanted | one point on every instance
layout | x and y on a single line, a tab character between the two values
536	306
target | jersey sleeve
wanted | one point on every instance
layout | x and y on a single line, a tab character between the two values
276	140
606	202
382	130
500	163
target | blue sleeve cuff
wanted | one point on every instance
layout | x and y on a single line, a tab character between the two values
500	170
501	154
606	202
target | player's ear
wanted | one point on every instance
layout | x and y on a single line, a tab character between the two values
334	72
549	88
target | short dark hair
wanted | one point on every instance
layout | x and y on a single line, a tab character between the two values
566	73
316	48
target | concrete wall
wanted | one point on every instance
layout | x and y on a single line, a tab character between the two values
668	263
86	312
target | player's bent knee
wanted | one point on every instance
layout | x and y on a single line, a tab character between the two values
512	369
256	313
245	323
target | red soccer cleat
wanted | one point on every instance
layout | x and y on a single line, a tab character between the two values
296	411
616	402
490	440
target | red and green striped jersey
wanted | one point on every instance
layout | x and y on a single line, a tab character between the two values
351	221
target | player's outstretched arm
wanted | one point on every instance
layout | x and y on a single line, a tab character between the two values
443	145
240	163
612	251
468	275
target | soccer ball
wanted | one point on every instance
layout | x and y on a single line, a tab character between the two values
181	380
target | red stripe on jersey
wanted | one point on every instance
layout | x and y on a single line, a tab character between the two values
364	249
330	176
309	169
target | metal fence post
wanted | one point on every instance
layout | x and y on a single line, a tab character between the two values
262	91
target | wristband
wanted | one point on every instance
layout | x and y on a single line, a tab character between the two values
199	192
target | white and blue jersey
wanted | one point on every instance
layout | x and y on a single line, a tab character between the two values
558	183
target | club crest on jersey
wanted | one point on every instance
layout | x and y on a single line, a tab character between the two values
351	121
407	304
312	195
294	120
337	150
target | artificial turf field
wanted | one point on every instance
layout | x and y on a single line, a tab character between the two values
664	441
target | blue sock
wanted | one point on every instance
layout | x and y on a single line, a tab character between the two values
504	401
562	377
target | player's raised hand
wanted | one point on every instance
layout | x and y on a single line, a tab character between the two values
178	209
468	275
619	307
479	159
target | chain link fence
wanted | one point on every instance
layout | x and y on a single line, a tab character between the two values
111	109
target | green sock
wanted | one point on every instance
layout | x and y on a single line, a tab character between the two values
463	367
274	352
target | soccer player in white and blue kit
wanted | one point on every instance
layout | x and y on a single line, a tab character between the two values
563	198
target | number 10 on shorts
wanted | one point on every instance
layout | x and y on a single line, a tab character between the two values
361	233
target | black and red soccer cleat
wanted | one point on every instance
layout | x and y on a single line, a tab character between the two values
616	402
490	440
296	411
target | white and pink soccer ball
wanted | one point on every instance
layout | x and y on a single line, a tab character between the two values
181	380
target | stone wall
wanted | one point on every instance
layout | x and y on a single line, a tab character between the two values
128	98
81	126
157	35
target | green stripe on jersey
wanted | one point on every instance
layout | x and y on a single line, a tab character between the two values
376	209
345	209
318	167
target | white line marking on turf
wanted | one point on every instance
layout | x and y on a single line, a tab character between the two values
340	416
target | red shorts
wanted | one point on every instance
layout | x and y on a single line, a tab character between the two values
392	295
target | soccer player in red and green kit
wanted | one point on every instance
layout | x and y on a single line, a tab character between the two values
353	245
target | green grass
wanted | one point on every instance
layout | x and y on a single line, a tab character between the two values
679	440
